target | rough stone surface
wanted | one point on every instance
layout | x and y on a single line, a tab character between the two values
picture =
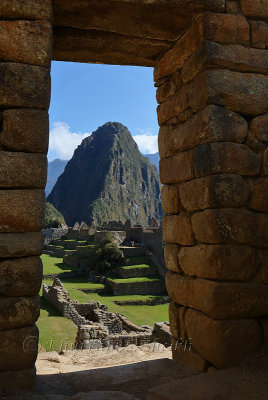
255	8
18	348
178	168
28	42
23	170
21	244
188	357
170	199
174	319
80	45
177	229
221	28
33	9
20	129
215	191
259	34
229	226
232	57
222	342
21	210
255	144
220	262
18	312
259	199
259	126
23	379
171	252
264	326
24	85
230	158
241	92
211	124
219	300
263	254
20	276
143	18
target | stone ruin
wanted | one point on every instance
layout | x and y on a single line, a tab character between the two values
210	69
99	328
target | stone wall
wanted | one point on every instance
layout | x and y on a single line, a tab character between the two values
53	233
147	287
96	326
25	55
212	90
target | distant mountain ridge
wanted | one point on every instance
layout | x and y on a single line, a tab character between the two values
154	159
106	179
54	170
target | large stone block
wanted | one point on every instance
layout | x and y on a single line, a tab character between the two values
18	312
265	162
215	191
228	226
23	170
171	252
21	210
29	42
259	127
25	130
219	300
263	255
222	343
259	199
178	229
222	28
229	158
241	92
32	9
21	244
18	348
219	262
211	124
20	276
259	34
188	357
232	57
255	8
174	319
178	168
24	85
23	379
170	199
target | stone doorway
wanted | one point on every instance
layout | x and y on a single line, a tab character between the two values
210	62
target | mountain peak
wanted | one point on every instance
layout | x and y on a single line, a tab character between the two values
107	179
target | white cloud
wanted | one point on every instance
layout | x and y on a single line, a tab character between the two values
63	142
146	142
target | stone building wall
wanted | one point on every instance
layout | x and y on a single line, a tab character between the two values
53	233
212	90
25	57
156	287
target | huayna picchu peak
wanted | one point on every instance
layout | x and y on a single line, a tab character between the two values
108	179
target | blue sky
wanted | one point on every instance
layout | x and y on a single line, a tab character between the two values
85	96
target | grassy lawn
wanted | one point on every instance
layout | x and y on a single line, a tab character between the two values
53	326
54	265
137	279
136	266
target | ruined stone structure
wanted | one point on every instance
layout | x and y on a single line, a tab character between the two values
97	327
210	60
